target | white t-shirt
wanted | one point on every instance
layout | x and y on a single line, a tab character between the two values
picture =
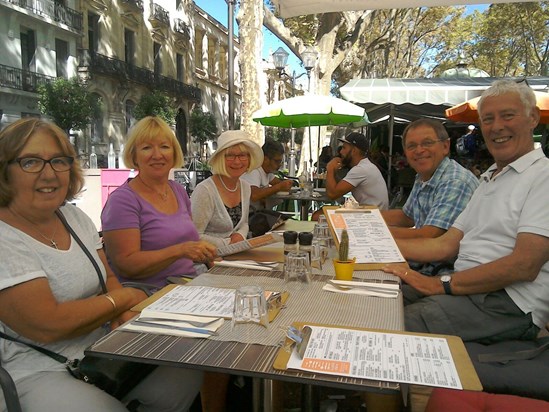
71	276
514	201
369	185
259	178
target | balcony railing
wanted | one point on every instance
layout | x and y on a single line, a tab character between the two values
179	26
97	63
136	4
55	11
19	79
159	14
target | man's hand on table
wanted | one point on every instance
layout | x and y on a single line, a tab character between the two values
428	285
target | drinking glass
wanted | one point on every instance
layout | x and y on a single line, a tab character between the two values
297	267
250	306
322	234
319	253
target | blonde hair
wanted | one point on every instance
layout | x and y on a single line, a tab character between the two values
218	164
149	129
12	140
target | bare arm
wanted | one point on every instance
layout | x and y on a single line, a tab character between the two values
46	320
444	247
335	189
259	193
523	264
124	247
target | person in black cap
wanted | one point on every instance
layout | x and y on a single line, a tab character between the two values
364	179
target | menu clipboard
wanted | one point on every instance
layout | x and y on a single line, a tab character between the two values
465	369
274	309
361	209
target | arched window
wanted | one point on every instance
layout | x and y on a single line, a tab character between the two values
181	129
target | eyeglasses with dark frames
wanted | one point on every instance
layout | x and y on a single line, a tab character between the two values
426	144
241	156
37	164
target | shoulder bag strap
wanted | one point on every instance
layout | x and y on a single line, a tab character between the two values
56	356
84	248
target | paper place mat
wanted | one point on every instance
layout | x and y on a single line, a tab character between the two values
307	303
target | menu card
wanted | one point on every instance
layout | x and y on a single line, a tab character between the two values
196	300
370	240
414	359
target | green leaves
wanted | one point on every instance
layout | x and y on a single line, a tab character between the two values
69	103
155	104
202	125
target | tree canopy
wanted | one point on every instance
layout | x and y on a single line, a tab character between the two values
69	103
155	104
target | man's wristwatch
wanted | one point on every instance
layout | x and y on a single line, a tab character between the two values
446	279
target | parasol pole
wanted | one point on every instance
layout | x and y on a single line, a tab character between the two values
310	150
291	162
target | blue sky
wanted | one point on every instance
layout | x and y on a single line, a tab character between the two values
218	9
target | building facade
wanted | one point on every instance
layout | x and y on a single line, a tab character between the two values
123	49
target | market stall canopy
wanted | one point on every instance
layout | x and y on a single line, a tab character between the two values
291	8
415	98
467	111
309	110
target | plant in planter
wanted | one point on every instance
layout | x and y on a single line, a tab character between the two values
344	266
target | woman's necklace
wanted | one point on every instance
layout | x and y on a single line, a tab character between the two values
52	241
163	196
225	186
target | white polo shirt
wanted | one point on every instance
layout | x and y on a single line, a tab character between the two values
515	201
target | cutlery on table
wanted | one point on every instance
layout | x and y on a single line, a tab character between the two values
182	328
195	323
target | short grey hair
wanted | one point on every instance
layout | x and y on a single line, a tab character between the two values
501	87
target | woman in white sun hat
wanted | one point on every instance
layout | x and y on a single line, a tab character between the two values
221	203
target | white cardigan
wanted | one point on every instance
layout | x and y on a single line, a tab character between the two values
211	217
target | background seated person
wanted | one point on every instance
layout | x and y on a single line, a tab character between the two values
364	180
50	293
500	287
221	203
442	187
262	180
147	226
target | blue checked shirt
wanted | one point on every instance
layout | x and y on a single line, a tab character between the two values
440	200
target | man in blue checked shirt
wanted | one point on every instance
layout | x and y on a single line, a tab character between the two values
442	186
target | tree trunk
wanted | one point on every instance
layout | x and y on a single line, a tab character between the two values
250	23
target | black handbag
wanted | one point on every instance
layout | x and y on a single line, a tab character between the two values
116	377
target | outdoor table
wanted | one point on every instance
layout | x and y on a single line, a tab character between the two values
253	355
304	201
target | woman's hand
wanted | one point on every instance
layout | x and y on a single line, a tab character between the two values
123	318
235	238
200	251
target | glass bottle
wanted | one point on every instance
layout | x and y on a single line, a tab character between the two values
93	158
111	158
121	164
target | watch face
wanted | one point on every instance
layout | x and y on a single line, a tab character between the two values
445	278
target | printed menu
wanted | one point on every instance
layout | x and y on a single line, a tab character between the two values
414	359
370	240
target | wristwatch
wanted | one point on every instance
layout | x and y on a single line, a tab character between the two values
446	279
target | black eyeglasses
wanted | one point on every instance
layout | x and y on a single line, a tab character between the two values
37	164
241	156
426	144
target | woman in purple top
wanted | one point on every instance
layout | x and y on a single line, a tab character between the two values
147	226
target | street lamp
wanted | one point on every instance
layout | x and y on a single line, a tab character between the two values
280	58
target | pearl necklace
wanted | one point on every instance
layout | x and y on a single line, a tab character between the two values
52	241
225	186
163	196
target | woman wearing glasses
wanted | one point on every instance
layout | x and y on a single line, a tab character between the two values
50	292
147	227
221	203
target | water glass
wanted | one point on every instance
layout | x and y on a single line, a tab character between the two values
297	267
250	306
322	219
322	234
319	253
